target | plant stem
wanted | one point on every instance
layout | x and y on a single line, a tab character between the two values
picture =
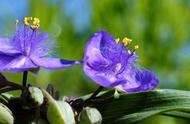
24	79
24	93
100	88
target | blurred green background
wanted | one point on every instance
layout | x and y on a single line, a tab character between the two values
160	27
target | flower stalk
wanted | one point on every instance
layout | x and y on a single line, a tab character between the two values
100	88
24	79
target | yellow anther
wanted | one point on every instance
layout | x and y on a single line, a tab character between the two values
32	22
27	21
36	23
136	46
126	41
129	51
117	40
17	21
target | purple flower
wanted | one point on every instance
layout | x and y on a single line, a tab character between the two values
111	63
27	50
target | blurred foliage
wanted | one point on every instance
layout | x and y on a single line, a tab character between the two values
160	27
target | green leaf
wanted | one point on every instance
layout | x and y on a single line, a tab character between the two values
132	108
6	85
179	114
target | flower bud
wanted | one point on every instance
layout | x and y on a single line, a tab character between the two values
36	95
59	112
90	116
6	116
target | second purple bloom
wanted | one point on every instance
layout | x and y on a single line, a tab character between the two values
110	63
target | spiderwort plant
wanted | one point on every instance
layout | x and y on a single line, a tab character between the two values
26	50
111	63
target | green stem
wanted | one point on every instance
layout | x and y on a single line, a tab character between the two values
24	93
24	79
100	88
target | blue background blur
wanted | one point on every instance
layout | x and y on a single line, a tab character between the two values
160	27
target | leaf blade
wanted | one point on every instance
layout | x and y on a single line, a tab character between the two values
133	108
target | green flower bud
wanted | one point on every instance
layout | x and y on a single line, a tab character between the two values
36	95
59	112
39	121
6	116
90	116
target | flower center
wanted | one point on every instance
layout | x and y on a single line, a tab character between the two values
126	41
28	33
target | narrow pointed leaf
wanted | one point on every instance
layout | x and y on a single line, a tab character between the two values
6	85
132	108
178	114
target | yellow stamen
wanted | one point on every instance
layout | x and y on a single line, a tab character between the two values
27	21
126	41
36	23
136	46
129	51
17	21
32	22
117	40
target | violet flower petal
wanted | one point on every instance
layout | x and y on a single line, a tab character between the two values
18	64
108	47
94	62
5	59
139	80
54	63
6	47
